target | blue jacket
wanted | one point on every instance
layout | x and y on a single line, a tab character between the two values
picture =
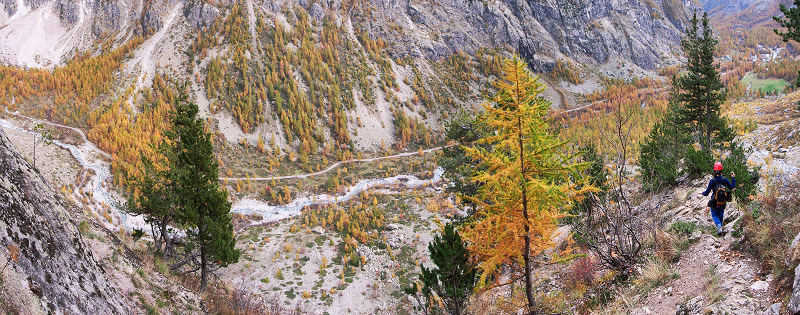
712	185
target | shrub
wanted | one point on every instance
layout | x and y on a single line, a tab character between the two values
746	179
240	301
698	162
660	156
582	272
683	228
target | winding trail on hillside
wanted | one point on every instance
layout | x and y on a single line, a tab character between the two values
80	132
103	195
334	165
659	90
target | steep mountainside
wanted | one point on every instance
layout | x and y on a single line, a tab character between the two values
589	31
53	268
639	31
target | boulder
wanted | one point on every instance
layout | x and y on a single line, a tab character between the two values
775	309
691	307
317	12
759	286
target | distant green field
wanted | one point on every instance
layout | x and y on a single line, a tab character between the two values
766	85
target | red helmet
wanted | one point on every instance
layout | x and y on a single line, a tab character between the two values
718	166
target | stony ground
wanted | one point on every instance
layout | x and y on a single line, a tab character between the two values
712	277
304	268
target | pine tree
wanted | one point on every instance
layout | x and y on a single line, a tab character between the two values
459	168
152	195
526	180
453	278
700	89
662	150
205	210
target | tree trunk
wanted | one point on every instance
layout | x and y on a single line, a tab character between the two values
165	236
203	261
526	255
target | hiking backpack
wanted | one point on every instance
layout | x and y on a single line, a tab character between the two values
722	195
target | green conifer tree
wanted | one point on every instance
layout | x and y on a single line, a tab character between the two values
205	210
693	130
453	278
459	168
700	92
156	201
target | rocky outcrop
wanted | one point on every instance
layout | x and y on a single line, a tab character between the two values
9	6
794	301
793	255
107	18
34	4
590	31
59	268
67	10
150	20
200	14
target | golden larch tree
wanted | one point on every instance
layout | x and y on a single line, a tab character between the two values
527	180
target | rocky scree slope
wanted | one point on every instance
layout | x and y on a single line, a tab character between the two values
54	271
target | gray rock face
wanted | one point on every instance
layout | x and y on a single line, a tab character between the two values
34	4
200	14
587	30
794	302
316	12
775	309
67	10
150	21
61	270
10	6
107	18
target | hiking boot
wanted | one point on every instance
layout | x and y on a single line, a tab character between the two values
719	230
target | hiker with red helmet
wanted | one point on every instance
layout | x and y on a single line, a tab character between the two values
719	195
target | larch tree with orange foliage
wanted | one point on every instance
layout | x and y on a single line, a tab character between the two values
527	181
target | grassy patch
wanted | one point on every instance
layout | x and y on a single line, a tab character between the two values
683	228
713	291
320	239
654	273
766	85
